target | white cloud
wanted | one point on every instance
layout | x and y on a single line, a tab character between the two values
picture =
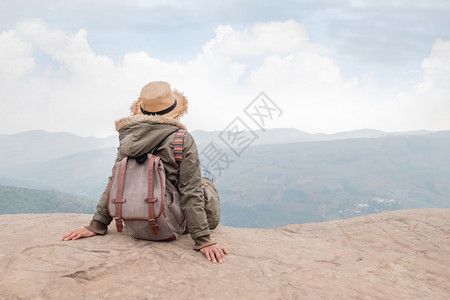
273	37
428	101
82	92
436	67
15	56
69	94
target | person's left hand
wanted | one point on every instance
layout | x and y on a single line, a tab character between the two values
215	253
77	233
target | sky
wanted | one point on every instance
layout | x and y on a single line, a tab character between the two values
329	65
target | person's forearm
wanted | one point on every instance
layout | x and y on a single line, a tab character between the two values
101	214
97	227
202	242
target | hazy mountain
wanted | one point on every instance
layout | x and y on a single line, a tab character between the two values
290	135
25	183
38	145
314	181
84	173
269	136
14	200
277	184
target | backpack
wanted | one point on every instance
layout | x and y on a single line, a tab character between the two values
142	197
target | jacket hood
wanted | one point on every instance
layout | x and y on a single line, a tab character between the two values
140	134
121	123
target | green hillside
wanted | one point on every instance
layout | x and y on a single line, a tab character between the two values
14	200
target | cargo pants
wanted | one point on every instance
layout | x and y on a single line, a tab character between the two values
212	202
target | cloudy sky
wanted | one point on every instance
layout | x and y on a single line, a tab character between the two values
330	65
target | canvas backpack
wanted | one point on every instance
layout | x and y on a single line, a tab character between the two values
142	197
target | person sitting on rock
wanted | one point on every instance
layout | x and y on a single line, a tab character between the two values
139	134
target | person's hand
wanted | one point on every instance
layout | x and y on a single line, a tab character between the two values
77	233
215	253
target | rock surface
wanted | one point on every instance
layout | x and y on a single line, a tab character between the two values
393	255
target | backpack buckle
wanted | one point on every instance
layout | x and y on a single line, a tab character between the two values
119	200
153	225
119	224
151	199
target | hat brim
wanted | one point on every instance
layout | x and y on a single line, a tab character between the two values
179	110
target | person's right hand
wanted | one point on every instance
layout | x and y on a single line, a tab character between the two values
77	233
215	253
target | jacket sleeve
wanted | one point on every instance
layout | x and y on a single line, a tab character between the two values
101	214
190	187
101	218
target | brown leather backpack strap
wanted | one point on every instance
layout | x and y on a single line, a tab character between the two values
151	199
110	187
119	199
178	146
161	186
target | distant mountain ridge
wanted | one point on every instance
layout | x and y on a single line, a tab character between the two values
14	200
85	173
277	184
317	181
291	135
39	145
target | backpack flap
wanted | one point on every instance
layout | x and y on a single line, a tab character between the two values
142	187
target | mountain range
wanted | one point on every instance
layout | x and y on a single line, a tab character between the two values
286	176
38	146
14	200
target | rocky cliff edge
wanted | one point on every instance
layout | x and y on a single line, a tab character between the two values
392	255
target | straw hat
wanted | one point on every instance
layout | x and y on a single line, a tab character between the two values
157	98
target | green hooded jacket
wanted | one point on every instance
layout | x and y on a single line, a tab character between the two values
140	134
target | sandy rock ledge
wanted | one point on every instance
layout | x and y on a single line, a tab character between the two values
393	255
